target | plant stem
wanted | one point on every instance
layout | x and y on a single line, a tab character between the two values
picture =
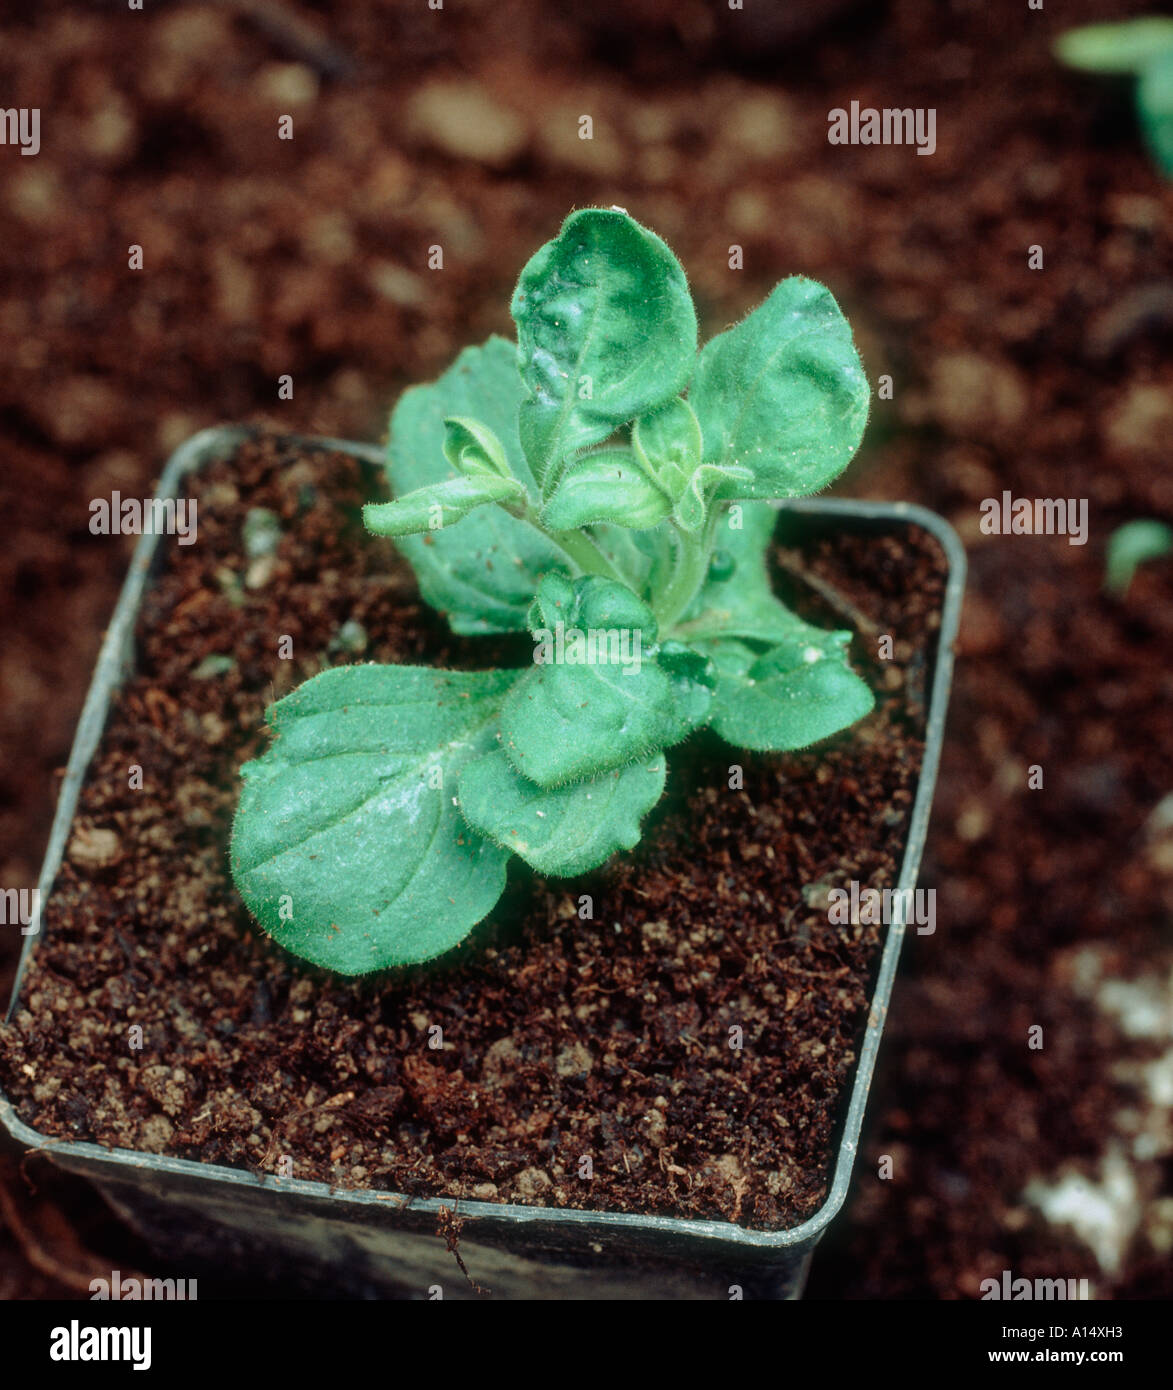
578	547
688	574
585	553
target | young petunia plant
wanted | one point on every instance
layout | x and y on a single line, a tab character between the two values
607	488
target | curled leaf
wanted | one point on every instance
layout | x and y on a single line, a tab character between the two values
692	508
607	486
473	449
667	444
482	574
442	504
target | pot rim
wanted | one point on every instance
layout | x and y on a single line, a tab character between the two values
114	661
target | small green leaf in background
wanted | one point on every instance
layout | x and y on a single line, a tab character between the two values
351	637
606	330
1141	48
605	486
1131	546
347	846
213	665
783	393
561	831
482	574
1154	105
799	692
1115	49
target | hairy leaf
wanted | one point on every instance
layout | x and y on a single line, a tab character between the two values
605	486
442	504
590	602
347	846
783	394
482	574
473	449
560	831
799	692
606	330
667	442
599	697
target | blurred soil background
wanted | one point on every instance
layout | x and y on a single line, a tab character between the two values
460	128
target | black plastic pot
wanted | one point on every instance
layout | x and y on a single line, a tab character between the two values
202	1216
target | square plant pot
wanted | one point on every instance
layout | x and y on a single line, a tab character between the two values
365	1242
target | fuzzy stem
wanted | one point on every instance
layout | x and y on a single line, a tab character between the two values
578	547
689	575
692	563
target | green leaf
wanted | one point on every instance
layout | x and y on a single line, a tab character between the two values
783	394
598	697
1125	47
606	330
689	512
605	486
347	846
588	603
693	679
473	449
442	504
483	574
561	831
740	602
1154	104
692	508
563	723
1131	546
799	692
667	442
